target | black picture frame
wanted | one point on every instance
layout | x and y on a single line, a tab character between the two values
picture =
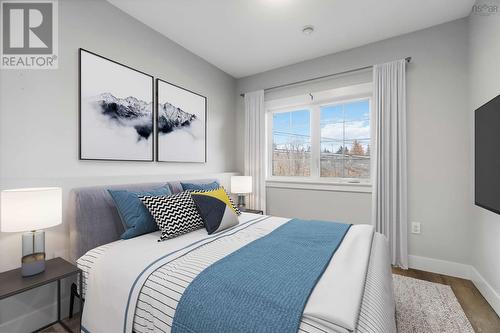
157	103
153	117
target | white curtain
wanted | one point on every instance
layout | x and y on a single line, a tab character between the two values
389	165
255	148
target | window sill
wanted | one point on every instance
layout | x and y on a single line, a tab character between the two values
319	185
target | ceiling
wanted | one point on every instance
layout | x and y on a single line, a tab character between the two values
245	37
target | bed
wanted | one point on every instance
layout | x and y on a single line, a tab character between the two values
135	285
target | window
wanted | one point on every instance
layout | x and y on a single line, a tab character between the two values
291	143
345	140
324	138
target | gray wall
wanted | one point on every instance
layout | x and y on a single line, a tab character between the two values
39	122
485	85
439	138
352	207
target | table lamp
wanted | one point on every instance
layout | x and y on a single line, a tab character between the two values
241	185
31	209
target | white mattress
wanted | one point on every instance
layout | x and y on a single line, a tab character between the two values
354	293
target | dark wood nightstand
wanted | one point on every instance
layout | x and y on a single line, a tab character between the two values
12	283
253	211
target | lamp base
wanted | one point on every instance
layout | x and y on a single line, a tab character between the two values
33	260
241	202
33	264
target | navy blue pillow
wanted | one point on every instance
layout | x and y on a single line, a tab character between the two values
135	217
200	187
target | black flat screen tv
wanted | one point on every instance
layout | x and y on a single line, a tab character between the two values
487	155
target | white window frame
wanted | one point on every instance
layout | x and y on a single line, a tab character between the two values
313	102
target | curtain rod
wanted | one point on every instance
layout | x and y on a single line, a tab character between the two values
408	59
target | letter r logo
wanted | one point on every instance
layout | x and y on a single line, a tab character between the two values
27	27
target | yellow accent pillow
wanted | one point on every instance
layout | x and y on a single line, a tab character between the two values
221	194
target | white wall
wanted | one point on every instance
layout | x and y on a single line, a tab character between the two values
439	138
39	123
484	85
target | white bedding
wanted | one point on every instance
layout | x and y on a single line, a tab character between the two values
136	284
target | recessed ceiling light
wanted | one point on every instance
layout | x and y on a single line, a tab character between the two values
308	29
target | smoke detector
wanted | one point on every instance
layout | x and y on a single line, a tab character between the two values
308	29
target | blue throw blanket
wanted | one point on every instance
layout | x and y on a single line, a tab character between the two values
262	287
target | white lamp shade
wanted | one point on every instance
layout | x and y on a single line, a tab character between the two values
241	184
30	209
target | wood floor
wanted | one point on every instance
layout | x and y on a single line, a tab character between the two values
482	317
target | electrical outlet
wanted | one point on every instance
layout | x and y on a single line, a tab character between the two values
415	227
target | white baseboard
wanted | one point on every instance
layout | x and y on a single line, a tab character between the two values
458	270
486	290
440	266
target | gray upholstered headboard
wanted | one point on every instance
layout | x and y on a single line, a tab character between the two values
93	218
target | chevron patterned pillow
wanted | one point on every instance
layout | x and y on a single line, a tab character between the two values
175	214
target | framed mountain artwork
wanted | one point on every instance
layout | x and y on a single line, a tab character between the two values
181	124
116	110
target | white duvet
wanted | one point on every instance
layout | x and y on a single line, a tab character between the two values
118	273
